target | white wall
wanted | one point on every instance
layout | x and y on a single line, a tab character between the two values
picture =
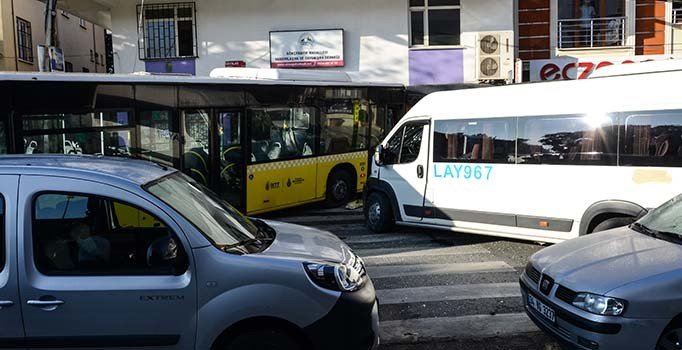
482	16
375	32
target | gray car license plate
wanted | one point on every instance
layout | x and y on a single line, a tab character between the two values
541	308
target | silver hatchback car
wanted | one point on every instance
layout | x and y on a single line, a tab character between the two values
110	253
618	289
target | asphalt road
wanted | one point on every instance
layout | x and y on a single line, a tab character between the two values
438	290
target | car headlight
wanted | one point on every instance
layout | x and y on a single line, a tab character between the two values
600	305
340	277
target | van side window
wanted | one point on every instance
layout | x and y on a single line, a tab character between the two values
2	232
78	234
568	140
412	142
652	139
485	140
404	146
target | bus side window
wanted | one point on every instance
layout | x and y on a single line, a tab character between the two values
652	139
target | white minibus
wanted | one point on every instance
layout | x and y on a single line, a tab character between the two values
543	162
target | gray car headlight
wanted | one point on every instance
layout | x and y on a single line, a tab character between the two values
340	277
600	305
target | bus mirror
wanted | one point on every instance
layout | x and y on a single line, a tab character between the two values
379	155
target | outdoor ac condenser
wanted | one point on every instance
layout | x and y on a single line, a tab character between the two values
495	55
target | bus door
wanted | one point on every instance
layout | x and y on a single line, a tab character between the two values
231	169
195	157
211	151
405	159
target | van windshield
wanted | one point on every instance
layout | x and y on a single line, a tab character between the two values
217	220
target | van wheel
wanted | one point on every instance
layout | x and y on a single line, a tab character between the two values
613	223
378	213
267	339
339	189
671	339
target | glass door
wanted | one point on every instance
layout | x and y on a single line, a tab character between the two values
195	127
231	170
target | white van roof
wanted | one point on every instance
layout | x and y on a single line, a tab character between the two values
652	91
638	68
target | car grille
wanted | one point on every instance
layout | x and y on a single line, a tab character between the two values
566	295
532	273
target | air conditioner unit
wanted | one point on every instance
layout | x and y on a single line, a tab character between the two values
495	55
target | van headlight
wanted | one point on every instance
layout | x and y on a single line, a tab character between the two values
600	305
340	277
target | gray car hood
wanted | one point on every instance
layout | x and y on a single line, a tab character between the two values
603	261
305	243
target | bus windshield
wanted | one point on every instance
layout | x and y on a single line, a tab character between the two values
217	220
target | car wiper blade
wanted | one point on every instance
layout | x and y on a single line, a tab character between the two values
264	229
643	229
247	242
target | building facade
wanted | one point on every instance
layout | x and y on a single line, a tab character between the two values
412	42
22	29
569	39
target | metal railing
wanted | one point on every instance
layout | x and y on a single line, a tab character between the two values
677	16
595	32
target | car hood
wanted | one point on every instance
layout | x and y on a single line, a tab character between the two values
305	243
603	261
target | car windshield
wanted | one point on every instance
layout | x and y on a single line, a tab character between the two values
217	220
665	220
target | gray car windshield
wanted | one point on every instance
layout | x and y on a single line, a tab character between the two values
217	220
665	219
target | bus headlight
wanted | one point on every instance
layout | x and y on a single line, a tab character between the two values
339	277
599	305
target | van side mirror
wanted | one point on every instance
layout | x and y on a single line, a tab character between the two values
166	253
379	155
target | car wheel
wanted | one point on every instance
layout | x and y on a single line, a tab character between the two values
671	338
378	212
339	189
267	339
613	223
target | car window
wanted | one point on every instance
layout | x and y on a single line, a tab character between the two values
652	139
2	232
79	234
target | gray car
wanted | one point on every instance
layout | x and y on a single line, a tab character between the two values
111	253
618	289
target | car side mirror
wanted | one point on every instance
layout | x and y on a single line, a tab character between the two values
379	155
166	252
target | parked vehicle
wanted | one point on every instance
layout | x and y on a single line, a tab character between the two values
543	162
107	252
618	289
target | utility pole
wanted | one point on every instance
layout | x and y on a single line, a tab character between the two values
50	6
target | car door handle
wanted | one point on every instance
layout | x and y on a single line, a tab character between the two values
420	171
5	303
47	305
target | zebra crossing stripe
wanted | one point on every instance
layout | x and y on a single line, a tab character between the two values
437	269
443	293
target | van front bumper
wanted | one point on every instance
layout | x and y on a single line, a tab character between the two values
353	323
575	331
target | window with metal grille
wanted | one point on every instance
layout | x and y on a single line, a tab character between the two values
167	30
24	40
434	22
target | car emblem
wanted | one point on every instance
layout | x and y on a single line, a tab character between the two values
546	284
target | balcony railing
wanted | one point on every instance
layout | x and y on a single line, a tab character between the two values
677	16
595	32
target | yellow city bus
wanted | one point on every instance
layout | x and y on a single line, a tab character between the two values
261	139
